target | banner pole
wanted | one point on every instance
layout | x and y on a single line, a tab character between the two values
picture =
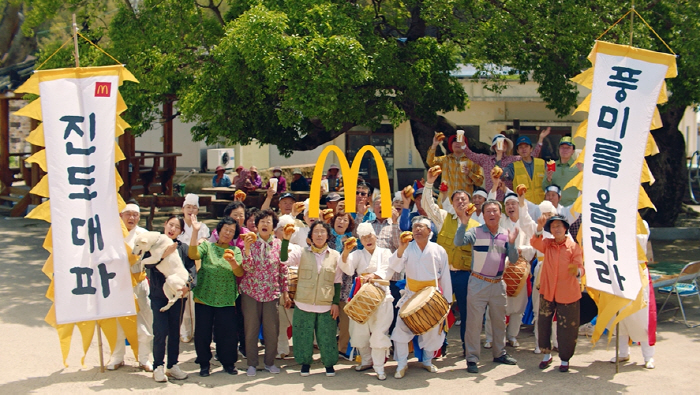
632	23
99	347
75	42
617	348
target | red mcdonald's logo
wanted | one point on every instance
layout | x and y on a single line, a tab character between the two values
103	89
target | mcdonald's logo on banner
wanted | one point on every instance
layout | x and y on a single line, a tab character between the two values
103	89
349	179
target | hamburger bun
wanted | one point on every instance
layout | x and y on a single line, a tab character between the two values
288	229
228	254
471	208
327	214
408	191
521	189
497	172
435	171
240	195
350	243
406	236
298	206
250	237
439	136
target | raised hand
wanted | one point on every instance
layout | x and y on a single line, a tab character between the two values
544	134
513	235
540	222
196	225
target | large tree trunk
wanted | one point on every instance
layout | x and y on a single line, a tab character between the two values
423	133
14	45
669	169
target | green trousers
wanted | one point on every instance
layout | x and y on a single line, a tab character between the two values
303	328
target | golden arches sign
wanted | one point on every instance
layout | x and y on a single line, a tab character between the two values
349	179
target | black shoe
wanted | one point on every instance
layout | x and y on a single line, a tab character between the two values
330	371
204	371
231	369
506	359
305	369
472	368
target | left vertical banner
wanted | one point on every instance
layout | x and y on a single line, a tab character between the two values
91	269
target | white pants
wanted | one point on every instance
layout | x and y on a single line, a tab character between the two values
430	342
286	318
187	326
636	326
144	328
372	338
515	308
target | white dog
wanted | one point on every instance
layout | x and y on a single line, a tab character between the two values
173	269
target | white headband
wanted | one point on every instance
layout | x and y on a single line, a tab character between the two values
511	197
192	199
423	221
131	207
365	229
480	193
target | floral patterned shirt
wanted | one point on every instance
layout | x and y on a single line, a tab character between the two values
265	276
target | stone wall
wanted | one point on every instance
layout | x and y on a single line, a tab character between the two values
20	128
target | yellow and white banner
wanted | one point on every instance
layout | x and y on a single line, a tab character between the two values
91	269
627	83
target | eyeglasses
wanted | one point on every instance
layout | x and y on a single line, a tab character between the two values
361	193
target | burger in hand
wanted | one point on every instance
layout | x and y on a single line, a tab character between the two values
497	172
470	209
408	192
350	243
327	215
239	195
298	207
288	229
406	236
439	136
521	189
435	171
250	237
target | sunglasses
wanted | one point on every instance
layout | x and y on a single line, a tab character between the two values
362	193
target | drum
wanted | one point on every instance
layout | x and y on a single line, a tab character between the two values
365	302
292	280
515	276
424	310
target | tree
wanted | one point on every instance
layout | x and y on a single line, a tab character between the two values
299	73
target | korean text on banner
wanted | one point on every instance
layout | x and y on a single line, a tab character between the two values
623	101
91	270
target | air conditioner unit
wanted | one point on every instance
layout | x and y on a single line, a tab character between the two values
220	157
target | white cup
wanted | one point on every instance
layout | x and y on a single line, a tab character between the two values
324	185
273	183
460	136
463	166
499	144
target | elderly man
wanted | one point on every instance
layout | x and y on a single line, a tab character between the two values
372	337
332	201
528	171
335	181
130	215
564	172
407	216
299	182
460	258
424	262
456	176
478	198
491	245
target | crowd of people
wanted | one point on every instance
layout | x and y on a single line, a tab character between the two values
497	240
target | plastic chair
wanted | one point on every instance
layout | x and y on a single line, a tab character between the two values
685	285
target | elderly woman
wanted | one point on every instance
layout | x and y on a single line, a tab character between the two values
215	295
317	298
263	286
343	227
166	324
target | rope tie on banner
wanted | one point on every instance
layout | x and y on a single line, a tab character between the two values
645	22
86	39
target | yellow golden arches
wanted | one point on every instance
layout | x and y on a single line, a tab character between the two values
349	179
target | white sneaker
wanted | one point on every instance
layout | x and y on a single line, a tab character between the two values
252	371
487	345
620	359
176	373
381	376
146	367
537	350
514	342
649	364
458	322
159	375
272	369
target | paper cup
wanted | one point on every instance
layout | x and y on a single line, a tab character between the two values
324	185
499	144
273	183
460	136
463	166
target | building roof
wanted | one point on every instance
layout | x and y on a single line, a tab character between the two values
11	77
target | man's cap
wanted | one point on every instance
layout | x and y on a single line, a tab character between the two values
277	168
333	197
556	218
567	140
334	166
287	195
296	171
523	140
